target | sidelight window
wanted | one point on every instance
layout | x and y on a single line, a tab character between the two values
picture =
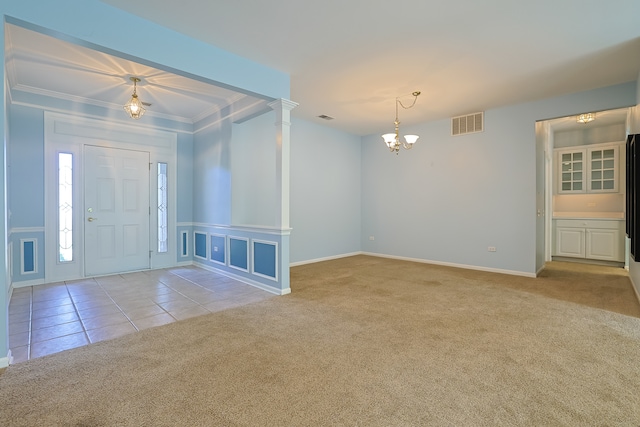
162	208
65	207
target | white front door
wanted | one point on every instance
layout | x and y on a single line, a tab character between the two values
116	210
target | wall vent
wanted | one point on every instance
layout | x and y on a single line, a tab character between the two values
470	123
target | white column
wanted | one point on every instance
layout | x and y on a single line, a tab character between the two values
283	108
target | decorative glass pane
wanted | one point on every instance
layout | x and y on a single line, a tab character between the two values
577	157
608	154
608	185
162	208
608	174
596	155
566	157
596	165
608	164
596	185
596	175
65	207
577	185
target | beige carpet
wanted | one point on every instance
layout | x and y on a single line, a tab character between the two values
360	341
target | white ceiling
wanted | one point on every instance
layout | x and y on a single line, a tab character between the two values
351	59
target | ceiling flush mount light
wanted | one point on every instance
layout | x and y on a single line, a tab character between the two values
586	117
134	107
393	139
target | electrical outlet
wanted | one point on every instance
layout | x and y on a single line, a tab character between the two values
491	248
372	238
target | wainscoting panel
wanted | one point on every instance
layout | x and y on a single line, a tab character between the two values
28	256
218	248
239	253
265	259
200	245
258	256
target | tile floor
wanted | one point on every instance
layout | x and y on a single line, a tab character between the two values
49	318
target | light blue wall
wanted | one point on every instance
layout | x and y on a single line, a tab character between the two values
212	176
26	167
325	192
253	172
185	178
450	198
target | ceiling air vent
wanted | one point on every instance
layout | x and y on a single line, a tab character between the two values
470	123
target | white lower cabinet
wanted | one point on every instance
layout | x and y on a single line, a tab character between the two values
591	239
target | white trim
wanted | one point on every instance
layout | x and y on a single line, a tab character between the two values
210	253
253	259
329	258
451	264
229	237
27	283
244	228
6	361
422	261
16	230
245	280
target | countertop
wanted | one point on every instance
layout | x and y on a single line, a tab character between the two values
589	215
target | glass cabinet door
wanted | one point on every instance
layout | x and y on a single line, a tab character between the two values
571	168
603	170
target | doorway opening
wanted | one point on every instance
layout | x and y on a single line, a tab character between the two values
585	201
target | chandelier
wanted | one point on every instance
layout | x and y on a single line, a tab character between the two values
586	117
134	107
393	139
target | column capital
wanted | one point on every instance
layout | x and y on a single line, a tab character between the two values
283	104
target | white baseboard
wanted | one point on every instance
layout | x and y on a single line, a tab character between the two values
249	282
451	264
6	361
26	283
329	258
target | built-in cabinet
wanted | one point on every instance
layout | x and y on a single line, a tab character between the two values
599	239
593	169
589	196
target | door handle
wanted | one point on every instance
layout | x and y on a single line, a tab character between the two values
90	219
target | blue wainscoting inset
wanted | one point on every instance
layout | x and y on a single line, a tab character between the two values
265	259
218	248
200	245
239	253
184	249
28	256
